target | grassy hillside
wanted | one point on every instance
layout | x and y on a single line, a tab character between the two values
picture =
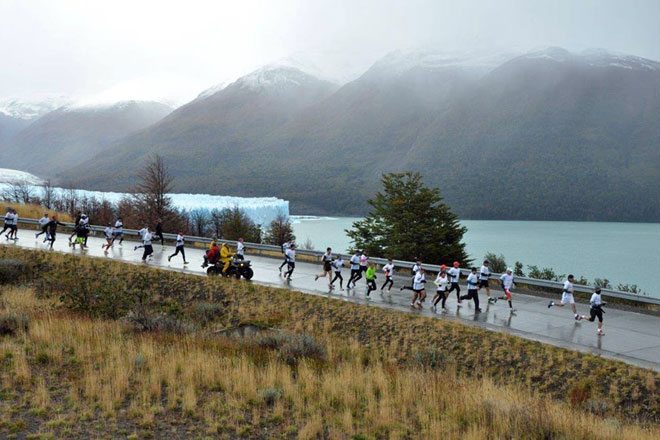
86	367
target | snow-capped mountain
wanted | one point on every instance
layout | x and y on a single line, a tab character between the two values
476	62
30	109
275	78
15	176
212	90
594	58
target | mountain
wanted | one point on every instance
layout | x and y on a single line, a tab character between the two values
213	136
549	134
30	110
70	135
9	127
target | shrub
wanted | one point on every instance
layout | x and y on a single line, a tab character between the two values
603	283
430	358
293	347
11	323
518	269
12	271
205	312
144	321
543	274
497	262
270	395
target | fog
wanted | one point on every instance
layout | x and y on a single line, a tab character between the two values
171	51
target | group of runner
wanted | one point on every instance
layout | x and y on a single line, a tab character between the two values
446	281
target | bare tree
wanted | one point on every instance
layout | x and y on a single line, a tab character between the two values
199	221
19	192
150	195
48	194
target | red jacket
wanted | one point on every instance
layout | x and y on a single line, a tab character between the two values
213	254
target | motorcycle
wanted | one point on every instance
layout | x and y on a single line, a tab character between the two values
237	268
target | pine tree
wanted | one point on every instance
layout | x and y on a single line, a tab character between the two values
408	221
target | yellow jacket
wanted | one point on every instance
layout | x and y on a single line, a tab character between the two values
225	254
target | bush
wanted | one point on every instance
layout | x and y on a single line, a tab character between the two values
13	323
293	347
270	395
518	269
497	262
603	283
543	274
144	321
205	312
12	271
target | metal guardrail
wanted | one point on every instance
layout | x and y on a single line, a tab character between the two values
399	264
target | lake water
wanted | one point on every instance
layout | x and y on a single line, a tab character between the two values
626	253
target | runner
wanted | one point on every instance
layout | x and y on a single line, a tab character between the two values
7	225
75	225
119	231
473	289
285	246
108	233
454	277
14	226
290	261
142	233
596	310
82	231
416	268
159	232
52	229
84	222
180	241
337	265
364	264
507	283
484	275
370	275
355	269
388	269
327	266
240	249
43	223
567	297
418	287
146	244
442	281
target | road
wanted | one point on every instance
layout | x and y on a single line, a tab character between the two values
631	337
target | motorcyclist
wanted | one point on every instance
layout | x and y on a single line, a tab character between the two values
225	257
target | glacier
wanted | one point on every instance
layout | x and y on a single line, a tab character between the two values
261	210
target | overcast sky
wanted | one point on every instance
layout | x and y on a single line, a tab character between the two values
111	50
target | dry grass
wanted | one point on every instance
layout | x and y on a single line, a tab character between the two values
75	377
33	211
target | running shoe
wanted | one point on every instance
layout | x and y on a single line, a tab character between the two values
185	262
600	332
551	303
169	258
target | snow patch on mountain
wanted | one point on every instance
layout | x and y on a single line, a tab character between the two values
477	61
595	58
274	77
212	90
29	110
121	105
15	176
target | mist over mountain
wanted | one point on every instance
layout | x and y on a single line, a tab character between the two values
549	134
72	134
